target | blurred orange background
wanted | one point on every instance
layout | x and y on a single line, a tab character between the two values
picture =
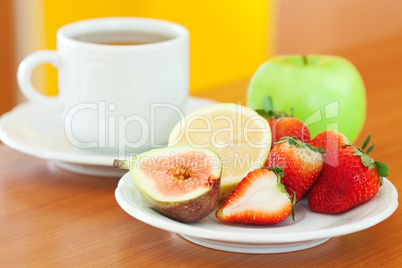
229	39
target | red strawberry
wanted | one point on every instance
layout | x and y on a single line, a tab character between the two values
329	140
288	127
301	164
259	199
283	125
354	180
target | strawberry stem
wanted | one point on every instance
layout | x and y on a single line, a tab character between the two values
121	164
293	206
304	57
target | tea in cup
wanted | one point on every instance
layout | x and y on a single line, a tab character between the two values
122	82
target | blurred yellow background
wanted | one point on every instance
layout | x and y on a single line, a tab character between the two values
228	39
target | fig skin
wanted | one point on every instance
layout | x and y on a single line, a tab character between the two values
198	205
190	210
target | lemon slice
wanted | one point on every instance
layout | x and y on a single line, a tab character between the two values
240	136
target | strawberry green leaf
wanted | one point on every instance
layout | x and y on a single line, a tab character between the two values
292	141
366	160
320	150
282	140
312	148
277	170
308	145
267	111
366	142
298	143
370	148
268	104
280	184
270	114
263	113
358	152
381	180
382	169
293	206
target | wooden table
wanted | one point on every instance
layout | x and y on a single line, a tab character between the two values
53	218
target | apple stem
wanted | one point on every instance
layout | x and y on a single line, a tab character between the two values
120	164
304	59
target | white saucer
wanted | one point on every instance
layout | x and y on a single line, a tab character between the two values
309	229
37	131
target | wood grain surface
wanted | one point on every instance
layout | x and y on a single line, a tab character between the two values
53	218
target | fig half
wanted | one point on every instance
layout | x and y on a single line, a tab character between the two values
181	182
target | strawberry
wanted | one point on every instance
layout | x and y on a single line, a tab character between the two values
301	164
283	125
259	199
355	179
329	140
289	127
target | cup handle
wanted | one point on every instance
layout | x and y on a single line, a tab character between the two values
24	77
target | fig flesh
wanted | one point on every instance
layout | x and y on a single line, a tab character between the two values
181	182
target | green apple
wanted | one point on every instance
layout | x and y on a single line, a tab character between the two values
325	92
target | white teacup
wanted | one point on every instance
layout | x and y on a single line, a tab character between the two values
124	97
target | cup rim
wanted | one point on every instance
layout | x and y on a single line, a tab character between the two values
65	33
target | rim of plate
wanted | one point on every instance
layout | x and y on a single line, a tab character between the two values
74	155
388	193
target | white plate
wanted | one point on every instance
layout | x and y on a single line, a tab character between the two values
309	229
37	131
